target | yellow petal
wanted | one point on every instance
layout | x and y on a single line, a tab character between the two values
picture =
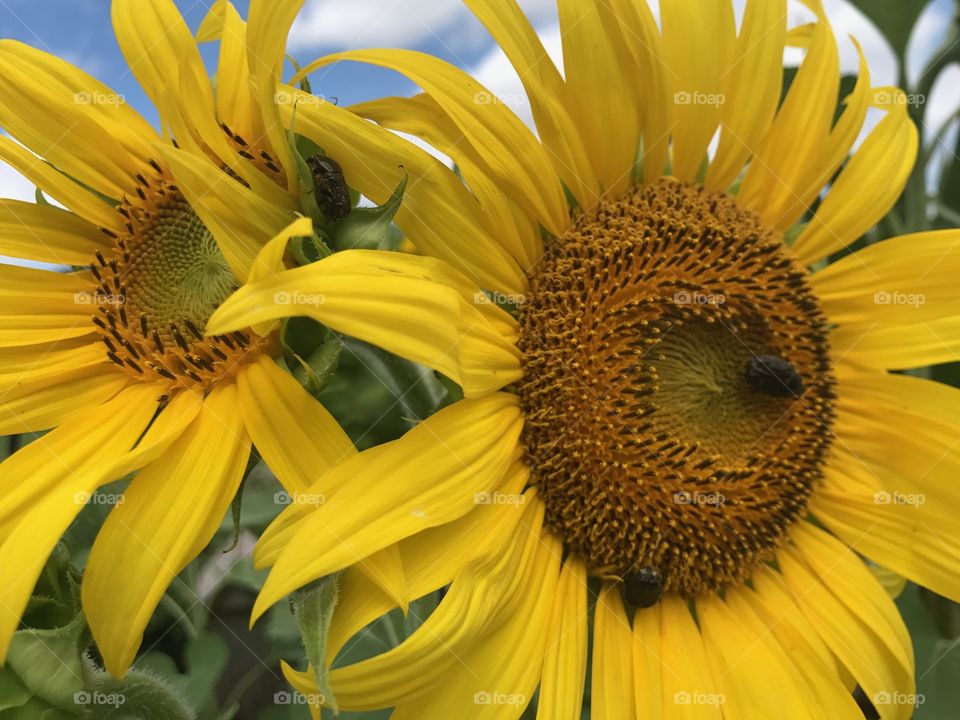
751	89
40	306
686	675
842	600
61	128
235	103
606	112
741	650
653	78
417	482
515	157
268	25
612	671
161	525
48	234
699	37
431	560
416	307
565	660
295	435
545	88
487	684
57	185
63	467
779	171
422	117
158	47
439	214
865	191
647	665
904	280
917	540
215	197
270	260
899	347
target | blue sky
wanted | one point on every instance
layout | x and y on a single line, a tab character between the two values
81	31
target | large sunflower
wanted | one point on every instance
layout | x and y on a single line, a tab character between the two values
112	354
679	423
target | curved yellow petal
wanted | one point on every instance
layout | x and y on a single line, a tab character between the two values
46	484
439	214
60	128
158	47
686	674
422	117
486	684
235	103
898	347
40	306
293	432
647	664
431	559
48	234
546	90
515	157
268	24
215	197
751	89
416	307
865	191
699	38
852	614
57	185
904	280
565	658
741	650
612	670
917	539
428	477
606	112
778	174
161	525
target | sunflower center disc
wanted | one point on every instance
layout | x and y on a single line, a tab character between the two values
648	442
164	279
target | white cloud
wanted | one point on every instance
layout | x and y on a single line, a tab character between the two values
395	23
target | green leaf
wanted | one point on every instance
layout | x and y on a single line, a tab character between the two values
313	607
36	709
207	657
894	18
49	662
370	228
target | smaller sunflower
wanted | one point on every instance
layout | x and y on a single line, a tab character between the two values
112	356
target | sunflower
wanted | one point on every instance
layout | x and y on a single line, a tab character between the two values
112	354
680	435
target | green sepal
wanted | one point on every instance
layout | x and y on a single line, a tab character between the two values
305	81
313	608
50	662
311	351
370	228
140	695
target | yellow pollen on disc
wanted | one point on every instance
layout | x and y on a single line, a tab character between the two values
648	443
157	289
